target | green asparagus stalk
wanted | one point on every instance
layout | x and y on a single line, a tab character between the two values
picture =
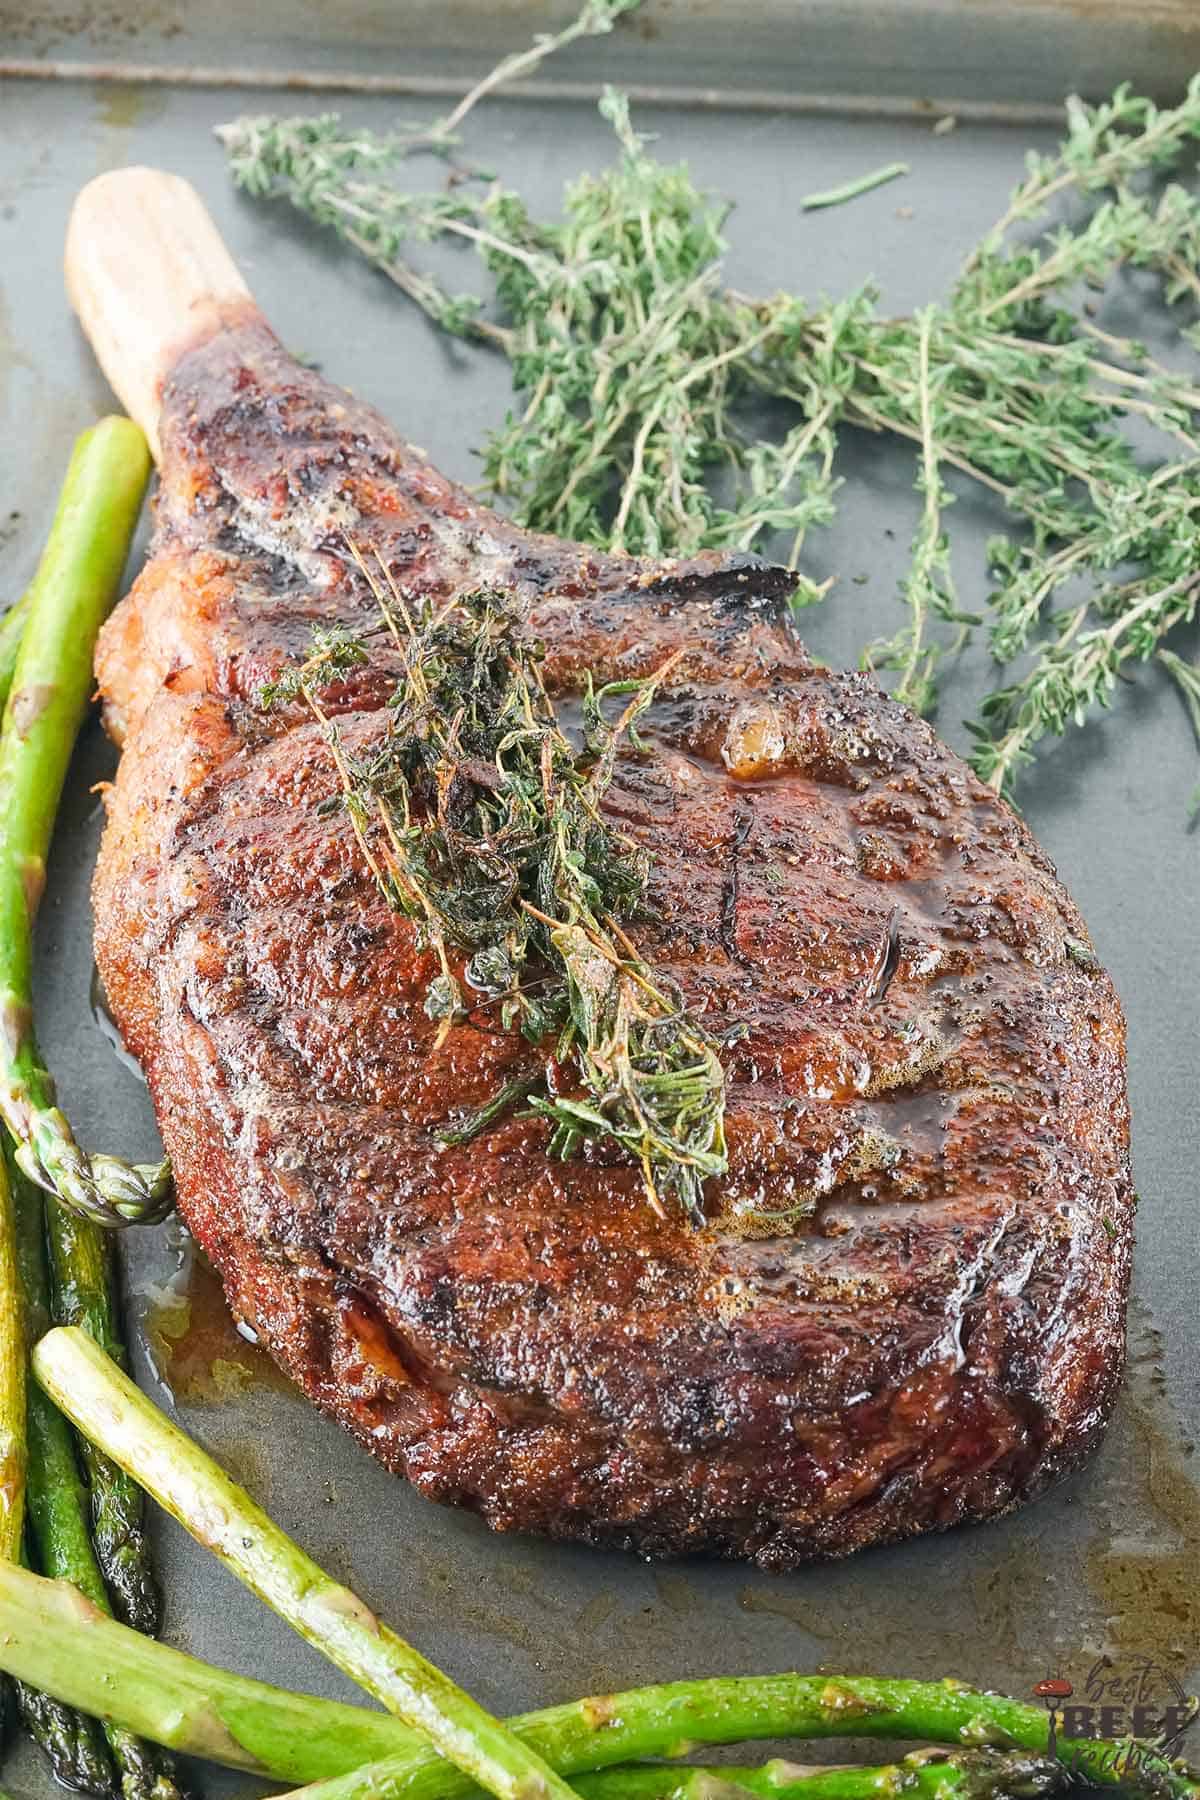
13	1455
106	1406
12	629
51	1636
923	1775
658	1721
72	1743
13	1451
58	1506
73	589
82	1294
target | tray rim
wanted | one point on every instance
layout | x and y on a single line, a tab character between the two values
998	61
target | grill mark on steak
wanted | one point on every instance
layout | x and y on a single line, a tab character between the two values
907	1308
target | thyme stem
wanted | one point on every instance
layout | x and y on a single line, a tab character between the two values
850	190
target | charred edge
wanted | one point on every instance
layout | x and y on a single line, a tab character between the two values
742	585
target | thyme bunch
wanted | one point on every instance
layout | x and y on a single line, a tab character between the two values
481	821
256	143
639	371
632	361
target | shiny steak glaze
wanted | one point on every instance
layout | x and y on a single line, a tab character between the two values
929	1095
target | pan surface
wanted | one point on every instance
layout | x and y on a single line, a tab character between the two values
1104	1565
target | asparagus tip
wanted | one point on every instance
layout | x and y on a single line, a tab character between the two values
103	1189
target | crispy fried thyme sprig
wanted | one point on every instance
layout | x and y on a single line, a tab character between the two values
482	822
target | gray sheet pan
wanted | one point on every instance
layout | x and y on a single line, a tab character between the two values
1109	1561
1019	54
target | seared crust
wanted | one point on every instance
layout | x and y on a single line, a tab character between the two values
929	1095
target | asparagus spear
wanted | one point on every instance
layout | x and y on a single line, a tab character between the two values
656	1721
12	628
52	1637
49	1634
12	1382
80	1259
83	1296
13	1450
58	1507
106	1406
12	625
923	1775
72	591
72	1743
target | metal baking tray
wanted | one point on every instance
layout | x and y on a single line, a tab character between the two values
1106	1564
1019	56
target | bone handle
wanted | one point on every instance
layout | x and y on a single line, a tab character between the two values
147	273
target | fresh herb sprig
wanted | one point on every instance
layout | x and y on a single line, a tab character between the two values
638	368
481	821
632	360
249	135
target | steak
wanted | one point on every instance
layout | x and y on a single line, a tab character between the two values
905	1306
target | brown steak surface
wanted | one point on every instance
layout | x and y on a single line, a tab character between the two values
907	1308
